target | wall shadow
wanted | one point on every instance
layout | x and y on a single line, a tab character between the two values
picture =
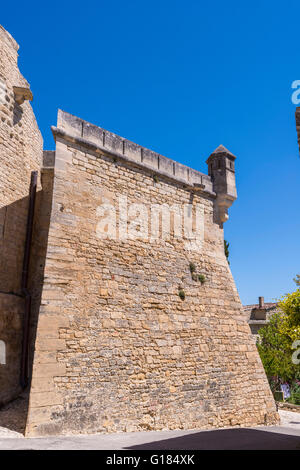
17	113
13	219
227	439
13	415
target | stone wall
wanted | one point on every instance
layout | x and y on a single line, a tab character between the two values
11	316
117	349
288	406
20	153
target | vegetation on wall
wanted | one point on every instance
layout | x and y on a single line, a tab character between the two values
226	250
201	278
181	294
192	267
196	276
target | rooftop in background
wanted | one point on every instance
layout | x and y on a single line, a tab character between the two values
258	315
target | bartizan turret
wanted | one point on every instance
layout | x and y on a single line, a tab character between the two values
222	172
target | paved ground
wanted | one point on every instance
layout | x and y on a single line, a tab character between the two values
285	436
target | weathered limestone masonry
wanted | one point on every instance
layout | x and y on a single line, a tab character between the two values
117	349
125	337
20	153
11	319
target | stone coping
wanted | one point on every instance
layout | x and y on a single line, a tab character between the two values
7	37
75	130
288	406
257	322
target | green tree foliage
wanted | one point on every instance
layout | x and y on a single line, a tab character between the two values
275	350
275	345
226	250
297	279
295	393
290	305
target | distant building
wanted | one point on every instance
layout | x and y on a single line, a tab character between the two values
258	315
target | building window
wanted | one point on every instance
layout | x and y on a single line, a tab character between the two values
2	352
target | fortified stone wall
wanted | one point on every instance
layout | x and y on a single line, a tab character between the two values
11	316
20	153
129	337
118	348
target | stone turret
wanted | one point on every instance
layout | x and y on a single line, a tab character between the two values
222	172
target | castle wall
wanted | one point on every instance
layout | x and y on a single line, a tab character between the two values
117	349
20	153
11	315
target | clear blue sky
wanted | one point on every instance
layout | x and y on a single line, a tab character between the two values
182	78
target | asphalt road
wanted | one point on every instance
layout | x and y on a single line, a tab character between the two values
283	437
